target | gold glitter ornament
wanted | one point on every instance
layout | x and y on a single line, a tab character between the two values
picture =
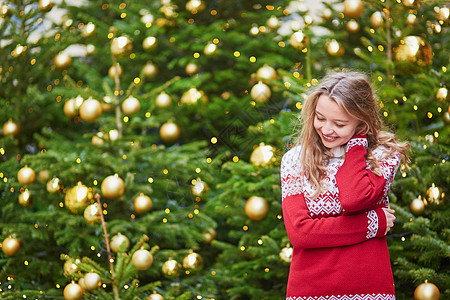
62	60
376	19
334	48
191	69
209	235
100	138
5	11
150	70
434	194
25	198
169	132
45	5
409	3
442	94
70	267
426	291
120	241
163	100
142	203
263	155
260	92
195	6
193	262
10	246
53	185
78	198
19	50
121	46
155	296
171	268
353	8
273	22
149	43
113	186
44	175
131	106
299	40
91	110
352	26
411	20
192	96
417	206
73	291
92	213
88	30
113	70
26	175
10	128
210	49
92	281
200	188
256	208
413	54
266	72
446	118
142	259
443	14
286	255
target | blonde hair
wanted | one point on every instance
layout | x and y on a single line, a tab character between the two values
353	93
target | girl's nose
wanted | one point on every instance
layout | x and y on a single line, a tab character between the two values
326	129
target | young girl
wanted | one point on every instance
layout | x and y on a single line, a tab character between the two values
334	187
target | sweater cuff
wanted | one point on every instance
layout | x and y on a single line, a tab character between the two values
381	222
357	140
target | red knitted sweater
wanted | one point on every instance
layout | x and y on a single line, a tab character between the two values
339	242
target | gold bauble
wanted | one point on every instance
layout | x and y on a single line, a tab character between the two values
426	291
286	255
443	14
62	60
131	106
91	110
10	128
199	188
273	22
409	3
353	8
334	48
352	26
113	186
73	291
92	281
19	50
147	19
10	246
411	19
192	96
155	296
260	92
121	46
99	138
90	49
195	6
72	106
169	132
150	70
78	198
81	283
254	30
25	198
434	194
92	213
417	206
53	185
413	53
88	30
256	208
142	204
163	100
171	268
327	14
442	94
299	40
44	175
142	259
71	267
120	242
149	43
210	235
210	49
5	11
446	118
262	155
193	262
113	70
191	69
376	19
266	72
45	5
26	175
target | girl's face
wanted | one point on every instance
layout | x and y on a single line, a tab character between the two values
333	125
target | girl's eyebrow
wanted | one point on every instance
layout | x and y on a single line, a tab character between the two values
335	120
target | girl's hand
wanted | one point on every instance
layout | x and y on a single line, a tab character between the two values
390	218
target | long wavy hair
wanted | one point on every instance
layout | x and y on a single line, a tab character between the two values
353	93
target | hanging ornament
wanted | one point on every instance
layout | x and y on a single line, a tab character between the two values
199	188
409	3
443	14
73	291
169	132
193	262
334	48
263	155
442	94
62	60
44	175
100	138
273	22
426	291
254	30
155	296
70	267
195	6
5	11
72	106
45	5
327	14
266	72
117	69
120	242
353	8
25	198
286	255
81	283
192	96
163	100
376	19
413	53
142	259
90	49
446	118
10	246
150	70
210	49
88	30
417	206
171	268
260	92
53	185
352	26
191	69
10	128
434	194
209	235
411	20
19	50
121	46
26	175
78	198
90	110
92	213
142	204
113	186
92	281
299	40
149	43
256	208
131	106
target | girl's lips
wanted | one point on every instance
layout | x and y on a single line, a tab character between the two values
329	138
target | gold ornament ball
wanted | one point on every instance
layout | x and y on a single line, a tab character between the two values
155	296
150	70
446	118
62	60
266	72
442	94
91	110
210	49
169	132
45	5
417	206
121	46
88	30
70	268
286	255
44	175
199	188
99	138
5	11
142	204
171	268
443	14
81	283
260	92
163	100
92	281
113	186
72	106
254	30
256	208
334	48
193	262
434	194
327	14
408	3
273	22
53	185
195	6
10	246
113	70
411	20
299	40
210	235
149	43
376	19
413	53
78	198
262	155
26	175
191	69
10	128
192	96
118	242
352	26
131	106
142	259
73	291
92	213
426	291
19	50
25	198
353	8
